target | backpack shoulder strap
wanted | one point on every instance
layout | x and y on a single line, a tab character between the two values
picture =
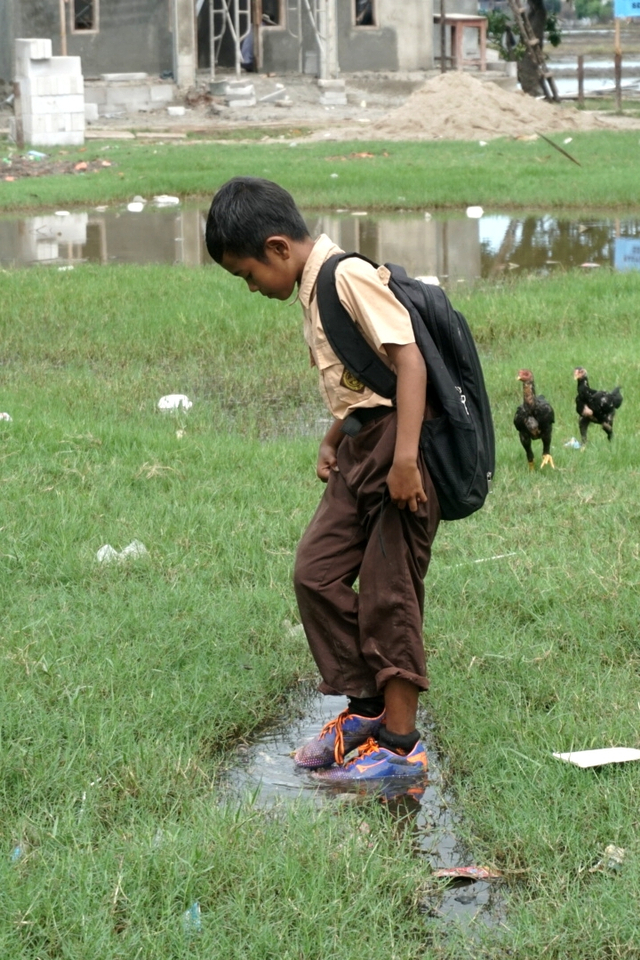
346	340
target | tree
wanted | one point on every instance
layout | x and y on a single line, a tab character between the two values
506	36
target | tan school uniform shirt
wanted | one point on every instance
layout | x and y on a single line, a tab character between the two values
364	292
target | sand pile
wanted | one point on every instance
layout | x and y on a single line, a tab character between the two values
456	106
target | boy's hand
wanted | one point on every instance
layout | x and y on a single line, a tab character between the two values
405	486
327	454
327	461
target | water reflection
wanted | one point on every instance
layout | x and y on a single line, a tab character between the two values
454	248
265	771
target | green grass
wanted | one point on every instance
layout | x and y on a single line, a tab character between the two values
504	174
123	688
630	106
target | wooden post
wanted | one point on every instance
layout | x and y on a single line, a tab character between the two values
617	67
443	38
63	29
580	80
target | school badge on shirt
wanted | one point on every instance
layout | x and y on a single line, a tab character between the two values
350	382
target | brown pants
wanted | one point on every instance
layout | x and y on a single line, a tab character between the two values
360	639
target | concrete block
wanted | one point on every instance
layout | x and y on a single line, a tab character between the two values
240	95
218	88
90	112
29	49
78	121
127	96
67	66
161	92
332	93
54	105
122	77
333	100
332	85
95	94
241	103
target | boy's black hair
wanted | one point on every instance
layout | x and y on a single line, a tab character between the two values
245	212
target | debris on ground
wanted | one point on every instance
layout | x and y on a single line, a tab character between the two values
467	873
611	861
598	758
107	554
16	166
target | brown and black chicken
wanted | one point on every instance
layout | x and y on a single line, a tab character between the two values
595	406
534	420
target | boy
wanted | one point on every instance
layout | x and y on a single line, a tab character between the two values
379	513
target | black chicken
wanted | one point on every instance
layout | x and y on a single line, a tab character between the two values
595	406
534	420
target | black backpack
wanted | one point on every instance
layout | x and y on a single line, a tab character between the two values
458	445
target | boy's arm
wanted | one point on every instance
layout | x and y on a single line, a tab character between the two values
404	480
327	459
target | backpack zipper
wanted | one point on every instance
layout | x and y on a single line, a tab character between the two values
463	401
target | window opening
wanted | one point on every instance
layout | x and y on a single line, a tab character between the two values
85	16
365	13
272	13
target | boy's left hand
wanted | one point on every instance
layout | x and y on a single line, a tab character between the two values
405	486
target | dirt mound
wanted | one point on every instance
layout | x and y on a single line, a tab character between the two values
456	106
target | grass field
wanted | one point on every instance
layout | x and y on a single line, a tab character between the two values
503	174
124	687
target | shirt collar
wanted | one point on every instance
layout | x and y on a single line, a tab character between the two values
323	247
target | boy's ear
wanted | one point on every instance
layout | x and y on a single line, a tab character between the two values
279	246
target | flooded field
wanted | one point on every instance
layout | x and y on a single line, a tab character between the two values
454	248
265	770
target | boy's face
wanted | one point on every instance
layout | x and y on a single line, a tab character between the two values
274	277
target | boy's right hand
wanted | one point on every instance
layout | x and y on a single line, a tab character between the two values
327	461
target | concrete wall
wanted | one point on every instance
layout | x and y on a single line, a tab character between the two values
6	46
403	40
133	35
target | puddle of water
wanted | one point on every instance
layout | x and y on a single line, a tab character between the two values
568	86
266	771
454	248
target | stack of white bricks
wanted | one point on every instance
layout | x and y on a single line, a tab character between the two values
49	96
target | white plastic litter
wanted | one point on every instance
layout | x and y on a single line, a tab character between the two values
136	206
598	758
429	279
164	200
474	213
62	213
7	417
134	549
174	401
107	554
573	444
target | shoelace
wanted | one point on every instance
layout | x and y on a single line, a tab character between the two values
364	750
336	725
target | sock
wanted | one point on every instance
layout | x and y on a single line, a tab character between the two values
366	706
402	743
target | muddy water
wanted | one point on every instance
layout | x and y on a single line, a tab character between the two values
455	248
265	770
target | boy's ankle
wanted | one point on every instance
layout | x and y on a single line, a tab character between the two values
366	706
402	743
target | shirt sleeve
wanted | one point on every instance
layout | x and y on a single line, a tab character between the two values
365	293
